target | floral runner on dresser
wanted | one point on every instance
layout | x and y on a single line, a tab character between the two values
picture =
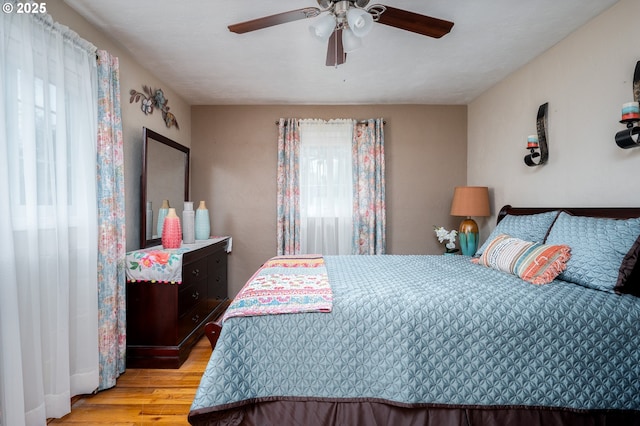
158	265
285	285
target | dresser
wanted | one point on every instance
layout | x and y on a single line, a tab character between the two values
166	318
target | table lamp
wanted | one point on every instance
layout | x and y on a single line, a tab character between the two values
470	201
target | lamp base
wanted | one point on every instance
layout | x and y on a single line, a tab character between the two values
469	235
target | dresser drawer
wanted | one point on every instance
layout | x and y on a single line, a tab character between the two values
192	319
218	260
190	295
217	278
194	271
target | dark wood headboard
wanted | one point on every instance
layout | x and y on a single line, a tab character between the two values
608	212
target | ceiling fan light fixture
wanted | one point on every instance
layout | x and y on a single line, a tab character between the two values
350	41
324	27
342	24
360	21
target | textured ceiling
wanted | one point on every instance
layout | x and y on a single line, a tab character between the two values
188	46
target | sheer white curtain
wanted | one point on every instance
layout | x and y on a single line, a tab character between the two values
48	225
326	186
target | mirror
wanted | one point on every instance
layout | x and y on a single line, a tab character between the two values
165	176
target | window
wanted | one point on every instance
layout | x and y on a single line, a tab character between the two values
320	208
326	186
48	128
34	120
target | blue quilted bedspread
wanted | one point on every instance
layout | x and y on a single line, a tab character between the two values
435	330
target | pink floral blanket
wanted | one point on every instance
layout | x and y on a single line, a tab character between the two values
285	285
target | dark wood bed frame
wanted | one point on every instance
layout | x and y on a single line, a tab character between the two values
212	331
605	212
454	415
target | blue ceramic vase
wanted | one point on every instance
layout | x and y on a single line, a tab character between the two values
203	227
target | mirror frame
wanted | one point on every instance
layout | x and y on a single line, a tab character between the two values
147	136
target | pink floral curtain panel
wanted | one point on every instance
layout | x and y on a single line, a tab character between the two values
111	224
369	217
288	190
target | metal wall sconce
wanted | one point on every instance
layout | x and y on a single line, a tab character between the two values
629	137
538	142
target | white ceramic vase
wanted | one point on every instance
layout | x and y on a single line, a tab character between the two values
188	223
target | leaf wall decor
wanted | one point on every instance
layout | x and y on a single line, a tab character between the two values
151	99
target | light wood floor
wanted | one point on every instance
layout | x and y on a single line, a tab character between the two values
144	396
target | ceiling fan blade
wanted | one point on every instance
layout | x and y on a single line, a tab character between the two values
277	19
335	51
414	22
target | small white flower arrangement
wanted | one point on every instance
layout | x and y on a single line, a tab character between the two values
449	236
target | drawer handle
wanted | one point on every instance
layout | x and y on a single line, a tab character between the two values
217	279
195	272
218	260
195	295
195	318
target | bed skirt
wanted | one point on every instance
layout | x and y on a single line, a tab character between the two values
324	412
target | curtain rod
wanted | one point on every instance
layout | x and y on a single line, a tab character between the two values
358	121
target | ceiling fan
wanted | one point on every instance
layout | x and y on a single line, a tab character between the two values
347	22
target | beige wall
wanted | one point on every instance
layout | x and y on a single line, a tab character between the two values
585	78
132	76
234	171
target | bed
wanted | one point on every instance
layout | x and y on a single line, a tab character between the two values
440	340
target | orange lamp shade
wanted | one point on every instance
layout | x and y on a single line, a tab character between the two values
470	201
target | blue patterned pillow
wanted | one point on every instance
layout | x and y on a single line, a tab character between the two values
531	227
598	247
